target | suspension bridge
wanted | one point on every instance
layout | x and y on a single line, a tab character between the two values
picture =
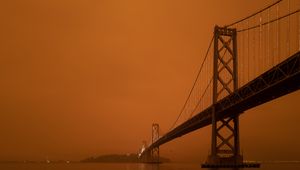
248	62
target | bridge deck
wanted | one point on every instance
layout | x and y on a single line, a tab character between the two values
278	81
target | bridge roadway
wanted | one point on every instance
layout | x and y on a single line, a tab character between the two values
280	80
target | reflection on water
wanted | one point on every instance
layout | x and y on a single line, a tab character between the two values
132	166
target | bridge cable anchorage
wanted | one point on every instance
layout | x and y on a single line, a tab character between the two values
197	77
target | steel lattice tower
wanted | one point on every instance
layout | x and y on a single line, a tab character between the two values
225	147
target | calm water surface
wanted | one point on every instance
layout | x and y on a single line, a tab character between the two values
126	166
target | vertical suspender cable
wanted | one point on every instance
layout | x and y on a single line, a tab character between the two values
248	56
288	31
268	40
277	36
194	84
260	59
298	27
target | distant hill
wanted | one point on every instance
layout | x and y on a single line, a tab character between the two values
130	158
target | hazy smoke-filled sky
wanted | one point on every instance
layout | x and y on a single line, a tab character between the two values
85	78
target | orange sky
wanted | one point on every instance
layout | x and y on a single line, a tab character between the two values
84	78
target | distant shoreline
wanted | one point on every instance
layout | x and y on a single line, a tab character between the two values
117	158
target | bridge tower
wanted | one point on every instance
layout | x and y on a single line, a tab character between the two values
155	137
151	155
225	147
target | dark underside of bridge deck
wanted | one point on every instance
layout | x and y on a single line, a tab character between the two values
278	81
